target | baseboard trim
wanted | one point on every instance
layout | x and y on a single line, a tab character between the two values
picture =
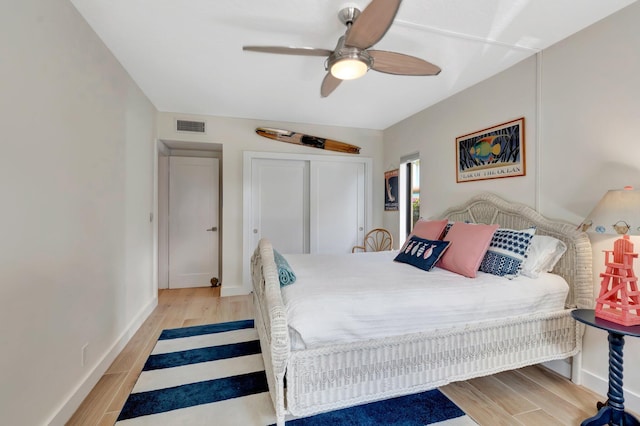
233	291
601	386
73	401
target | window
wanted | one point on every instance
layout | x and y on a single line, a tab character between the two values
409	193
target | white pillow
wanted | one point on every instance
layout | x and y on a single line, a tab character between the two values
543	254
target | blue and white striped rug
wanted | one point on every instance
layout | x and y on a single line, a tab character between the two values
214	375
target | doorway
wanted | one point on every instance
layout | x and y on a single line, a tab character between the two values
189	214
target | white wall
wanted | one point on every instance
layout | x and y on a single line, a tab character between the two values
590	143
238	135
581	96
432	133
76	184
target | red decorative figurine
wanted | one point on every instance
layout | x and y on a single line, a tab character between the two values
619	298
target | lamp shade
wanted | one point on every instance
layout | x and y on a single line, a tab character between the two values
618	212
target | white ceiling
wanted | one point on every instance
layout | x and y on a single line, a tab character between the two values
187	57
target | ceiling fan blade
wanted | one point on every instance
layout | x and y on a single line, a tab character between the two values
329	84
372	24
283	50
401	64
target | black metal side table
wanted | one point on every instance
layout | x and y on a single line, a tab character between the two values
612	412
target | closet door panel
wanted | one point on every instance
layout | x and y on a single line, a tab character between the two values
280	204
337	207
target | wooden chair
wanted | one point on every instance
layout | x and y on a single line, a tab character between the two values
378	239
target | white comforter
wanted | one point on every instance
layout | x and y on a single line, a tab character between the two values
354	297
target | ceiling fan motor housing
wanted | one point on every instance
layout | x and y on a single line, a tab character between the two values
357	60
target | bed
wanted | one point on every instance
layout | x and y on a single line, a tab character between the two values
317	375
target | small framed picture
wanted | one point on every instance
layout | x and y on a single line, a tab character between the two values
391	190
492	153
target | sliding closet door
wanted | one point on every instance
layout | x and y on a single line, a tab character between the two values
337	209
304	203
280	204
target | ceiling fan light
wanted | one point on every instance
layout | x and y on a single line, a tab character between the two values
349	69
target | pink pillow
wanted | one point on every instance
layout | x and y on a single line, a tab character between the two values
429	229
469	243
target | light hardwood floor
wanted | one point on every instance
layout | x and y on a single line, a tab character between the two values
528	396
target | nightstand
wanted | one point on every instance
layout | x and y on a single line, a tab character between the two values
611	412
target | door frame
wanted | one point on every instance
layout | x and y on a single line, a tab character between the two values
249	156
167	148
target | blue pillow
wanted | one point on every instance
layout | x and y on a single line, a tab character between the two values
285	273
507	252
421	253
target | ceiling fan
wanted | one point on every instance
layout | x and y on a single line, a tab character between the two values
351	57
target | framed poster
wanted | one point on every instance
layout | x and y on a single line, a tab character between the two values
496	152
391	190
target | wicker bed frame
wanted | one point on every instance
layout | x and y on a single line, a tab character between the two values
337	376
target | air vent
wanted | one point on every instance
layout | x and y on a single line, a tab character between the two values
190	126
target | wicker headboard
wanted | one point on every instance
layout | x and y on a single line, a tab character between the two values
575	264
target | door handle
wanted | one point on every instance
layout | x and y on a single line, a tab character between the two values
212	229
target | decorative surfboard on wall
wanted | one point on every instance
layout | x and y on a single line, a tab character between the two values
307	140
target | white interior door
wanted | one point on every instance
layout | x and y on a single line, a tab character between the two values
193	221
280	204
337	206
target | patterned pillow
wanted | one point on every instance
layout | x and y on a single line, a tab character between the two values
421	253
507	252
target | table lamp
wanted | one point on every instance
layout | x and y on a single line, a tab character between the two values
617	213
